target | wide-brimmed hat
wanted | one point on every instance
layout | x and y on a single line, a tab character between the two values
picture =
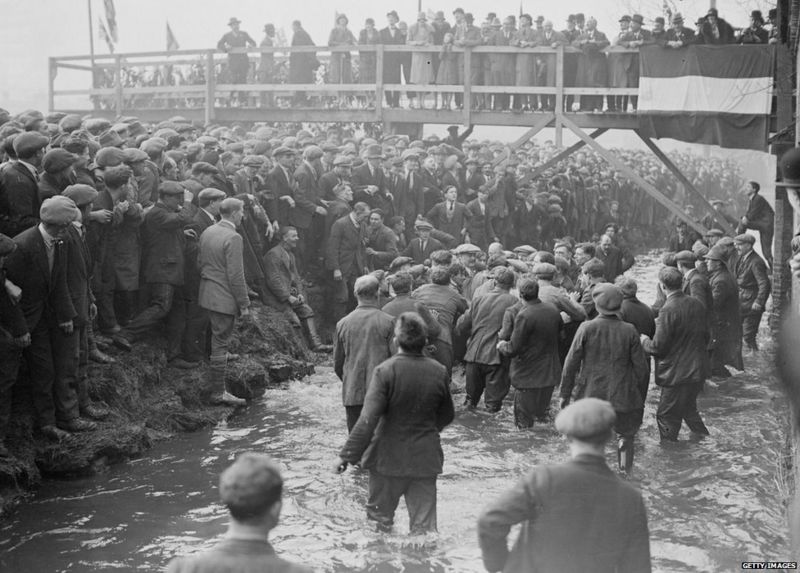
233	21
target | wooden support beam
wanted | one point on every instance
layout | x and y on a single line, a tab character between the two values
647	187
467	100
119	101
558	158
538	126
379	92
51	80
685	182
211	80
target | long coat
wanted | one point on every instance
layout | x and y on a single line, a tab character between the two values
726	320
753	279
363	340
128	247
592	65
482	322
534	345
341	71
79	274
221	260
345	251
526	71
680	342
302	64
283	184
558	504
282	277
453	222
421	34
392	61
164	244
479	224
306	196
19	199
607	353
445	304
407	404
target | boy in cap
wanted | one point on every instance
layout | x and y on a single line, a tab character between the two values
751	274
19	207
578	500
251	489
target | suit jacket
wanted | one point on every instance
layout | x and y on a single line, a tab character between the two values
431	190
534	344
221	260
479	225
753	280
19	199
363	340
454	224
362	177
384	242
392	60
680	342
346	251
416	252
45	295
725	318
482	322
695	284
79	274
281	186
559	504
282	277
612	366
200	222
685	35
640	315
615	262
760	215
306	197
445	303
408	403
408	197
164	244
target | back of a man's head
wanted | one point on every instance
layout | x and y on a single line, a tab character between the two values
251	486
440	276
671	278
366	287
230	205
402	283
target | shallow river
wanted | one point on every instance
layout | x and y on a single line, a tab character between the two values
711	503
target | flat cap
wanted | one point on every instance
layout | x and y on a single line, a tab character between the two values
607	298
235	147
544	269
133	155
312	152
330	148
593	266
422	224
110	138
586	419
210	193
685	257
252	483
410	154
713	232
57	160
342	160
203	167
374	151
283	150
96	125
399	262
153	146
117	175
207	141
715	253
109	157
70	123
7	245
253	161
745	238
29	142
497	261
58	210
171	188
466	249
524	249
81	194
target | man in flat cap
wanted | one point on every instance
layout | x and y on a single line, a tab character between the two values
752	277
607	353
251	489
164	270
38	268
679	347
724	316
58	172
423	245
308	213
346	257
370	183
19	184
559	504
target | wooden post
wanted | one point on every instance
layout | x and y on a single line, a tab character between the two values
52	69
467	99
119	101
379	83
685	182
559	95
647	187
211	81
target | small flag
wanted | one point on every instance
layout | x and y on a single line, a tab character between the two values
172	43
111	18
103	33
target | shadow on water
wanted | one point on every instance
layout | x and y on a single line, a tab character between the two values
712	503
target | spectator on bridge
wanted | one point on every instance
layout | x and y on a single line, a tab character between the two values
635	39
618	64
341	70
266	65
571	35
759	217
678	35
302	65
526	62
447	73
659	33
592	66
755	33
420	34
716	30
502	66
238	64
392	61
367	61
546	63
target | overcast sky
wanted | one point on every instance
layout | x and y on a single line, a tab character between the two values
33	30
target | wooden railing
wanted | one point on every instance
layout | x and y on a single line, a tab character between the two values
110	86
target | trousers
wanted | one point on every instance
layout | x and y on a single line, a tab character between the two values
493	378
531	404
165	303
420	495
750	322
679	403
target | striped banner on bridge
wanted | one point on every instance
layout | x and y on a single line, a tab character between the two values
719	95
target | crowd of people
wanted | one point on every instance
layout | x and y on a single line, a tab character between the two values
593	59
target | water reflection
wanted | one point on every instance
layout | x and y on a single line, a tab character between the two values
712	503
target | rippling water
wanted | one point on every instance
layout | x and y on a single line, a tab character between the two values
711	503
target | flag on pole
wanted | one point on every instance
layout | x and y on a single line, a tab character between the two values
111	18
717	95
103	33
172	43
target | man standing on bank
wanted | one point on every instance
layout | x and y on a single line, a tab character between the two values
223	290
576	516
410	397
679	347
759	217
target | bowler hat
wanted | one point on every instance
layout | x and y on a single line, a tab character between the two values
638	18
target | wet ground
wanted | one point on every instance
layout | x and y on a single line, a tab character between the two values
712	503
